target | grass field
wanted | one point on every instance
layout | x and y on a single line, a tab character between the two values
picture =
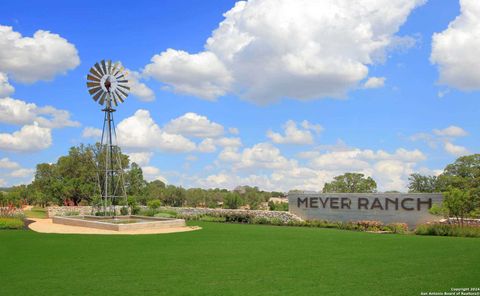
36	212
234	259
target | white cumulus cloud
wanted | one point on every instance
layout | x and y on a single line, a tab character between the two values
28	138
294	134
451	131
374	82
454	50
41	57
202	74
266	50
194	125
455	149
140	132
92	132
13	111
6	88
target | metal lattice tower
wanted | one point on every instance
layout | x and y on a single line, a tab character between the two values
108	85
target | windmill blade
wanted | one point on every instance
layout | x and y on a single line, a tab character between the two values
120	70
121	76
104	67
119	96
109	67
102	98
99	69
122	92
93	84
114	68
122	81
115	101
95	73
124	86
94	90
93	78
97	95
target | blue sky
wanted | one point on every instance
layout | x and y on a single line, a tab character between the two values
282	96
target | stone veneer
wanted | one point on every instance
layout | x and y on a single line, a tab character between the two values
87	210
285	217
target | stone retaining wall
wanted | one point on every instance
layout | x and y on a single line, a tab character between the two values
62	211
285	217
87	210
454	221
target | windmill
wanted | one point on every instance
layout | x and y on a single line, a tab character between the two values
108	85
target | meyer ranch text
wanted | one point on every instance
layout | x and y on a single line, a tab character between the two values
363	203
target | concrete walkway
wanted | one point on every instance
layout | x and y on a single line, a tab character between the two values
46	226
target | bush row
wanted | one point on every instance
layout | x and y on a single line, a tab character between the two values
248	218
11	223
448	230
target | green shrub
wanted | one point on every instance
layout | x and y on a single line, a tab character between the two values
164	215
208	218
448	230
71	213
278	206
397	228
260	220
11	223
124	211
148	212
154	204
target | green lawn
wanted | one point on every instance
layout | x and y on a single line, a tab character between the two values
234	259
36	212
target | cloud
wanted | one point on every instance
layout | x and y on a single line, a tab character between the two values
265	166
443	137
209	145
28	138
454	50
139	89
92	132
152	173
6	163
13	111
374	82
272	49
6	88
233	131
140	158
455	149
41	57
451	131
194	125
140	132
22	173
295	135
202	75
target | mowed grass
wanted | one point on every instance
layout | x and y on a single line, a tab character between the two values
234	259
36	212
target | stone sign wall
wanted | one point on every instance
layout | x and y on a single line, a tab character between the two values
409	208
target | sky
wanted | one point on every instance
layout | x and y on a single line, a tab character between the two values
279	94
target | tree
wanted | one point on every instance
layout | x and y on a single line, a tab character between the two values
464	173
420	183
459	203
351	183
232	200
134	180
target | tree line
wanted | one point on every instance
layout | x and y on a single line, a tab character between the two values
74	180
